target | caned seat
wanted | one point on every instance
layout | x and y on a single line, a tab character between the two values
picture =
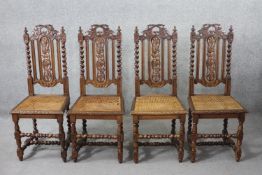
155	67
98	105
42	104
210	64
215	103
157	104
100	67
47	67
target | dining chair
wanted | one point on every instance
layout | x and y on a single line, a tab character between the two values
100	67
156	67
47	67
210	66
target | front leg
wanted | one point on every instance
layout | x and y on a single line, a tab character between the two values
20	151
194	139
73	138
135	137
120	138
240	134
189	130
68	140
181	138
62	137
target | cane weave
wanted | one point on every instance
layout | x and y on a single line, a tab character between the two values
215	103
158	105
97	104
42	104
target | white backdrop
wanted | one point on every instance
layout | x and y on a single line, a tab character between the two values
245	16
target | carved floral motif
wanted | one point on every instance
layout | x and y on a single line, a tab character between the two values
100	59
46	59
211	62
155	59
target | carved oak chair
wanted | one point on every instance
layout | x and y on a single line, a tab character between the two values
152	44
98	69
46	59
210	68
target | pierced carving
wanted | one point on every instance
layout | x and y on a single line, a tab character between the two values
46	59
44	30
155	35
45	35
155	59
100	37
100	59
211	62
211	29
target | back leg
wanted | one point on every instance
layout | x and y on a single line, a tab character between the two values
224	131
35	128
173	130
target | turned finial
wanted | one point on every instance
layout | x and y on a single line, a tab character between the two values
26	31
193	28
62	29
174	29
118	29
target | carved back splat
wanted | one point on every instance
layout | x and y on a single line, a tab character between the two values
99	37
47	65
211	60
155	38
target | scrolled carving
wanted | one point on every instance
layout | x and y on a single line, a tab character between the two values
44	30
100	31
211	29
156	30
